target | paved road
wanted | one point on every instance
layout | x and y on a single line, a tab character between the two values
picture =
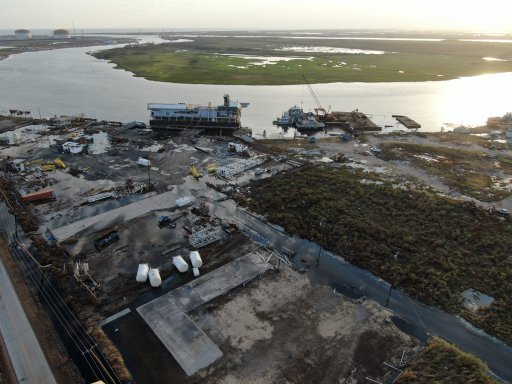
26	356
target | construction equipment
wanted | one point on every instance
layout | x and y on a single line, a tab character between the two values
59	163
194	172
48	167
212	168
315	97
164	221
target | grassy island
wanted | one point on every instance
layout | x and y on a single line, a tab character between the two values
280	60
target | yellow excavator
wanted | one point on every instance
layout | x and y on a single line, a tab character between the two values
194	171
212	168
59	163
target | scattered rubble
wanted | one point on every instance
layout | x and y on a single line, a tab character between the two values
73	171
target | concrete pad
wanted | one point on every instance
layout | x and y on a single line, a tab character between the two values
189	345
217	282
116	216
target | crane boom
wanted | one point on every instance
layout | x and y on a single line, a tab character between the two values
312	91
319	107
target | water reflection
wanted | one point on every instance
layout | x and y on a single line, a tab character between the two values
470	101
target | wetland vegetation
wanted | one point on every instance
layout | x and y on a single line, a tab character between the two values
279	60
441	362
431	246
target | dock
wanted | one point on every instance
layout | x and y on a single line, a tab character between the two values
167	318
407	122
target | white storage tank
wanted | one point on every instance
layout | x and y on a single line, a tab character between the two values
142	273
182	201
195	259
23	34
154	277
180	264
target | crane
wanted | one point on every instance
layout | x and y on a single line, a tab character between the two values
315	97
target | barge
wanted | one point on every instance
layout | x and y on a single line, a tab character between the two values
407	122
222	119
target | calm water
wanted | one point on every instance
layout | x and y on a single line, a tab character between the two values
68	81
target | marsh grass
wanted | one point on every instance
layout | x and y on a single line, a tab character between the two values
204	61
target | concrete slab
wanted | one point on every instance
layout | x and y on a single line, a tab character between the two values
217	282
116	216
189	345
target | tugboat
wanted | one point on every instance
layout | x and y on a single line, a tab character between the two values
289	118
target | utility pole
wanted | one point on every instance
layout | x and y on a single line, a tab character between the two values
11	211
321	224
43	272
389	295
149	173
15	226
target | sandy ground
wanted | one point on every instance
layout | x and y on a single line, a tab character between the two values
282	329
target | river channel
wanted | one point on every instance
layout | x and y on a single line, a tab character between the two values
69	81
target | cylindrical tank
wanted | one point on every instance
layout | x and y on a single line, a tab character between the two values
180	263
142	273
195	259
182	201
154	277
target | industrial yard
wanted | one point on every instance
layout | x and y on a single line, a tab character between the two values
119	210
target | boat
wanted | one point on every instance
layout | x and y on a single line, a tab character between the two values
290	117
284	121
309	122
224	118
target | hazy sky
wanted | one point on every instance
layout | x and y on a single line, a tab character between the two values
488	15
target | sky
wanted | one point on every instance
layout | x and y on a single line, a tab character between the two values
470	15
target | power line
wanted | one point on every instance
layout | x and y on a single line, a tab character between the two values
73	318
57	312
70	323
